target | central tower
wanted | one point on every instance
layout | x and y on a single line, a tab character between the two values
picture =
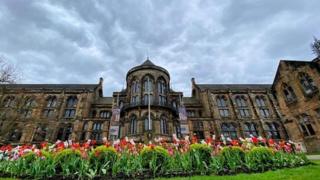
148	107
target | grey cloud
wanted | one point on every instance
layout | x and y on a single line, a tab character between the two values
214	41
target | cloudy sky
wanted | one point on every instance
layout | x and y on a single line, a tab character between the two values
215	41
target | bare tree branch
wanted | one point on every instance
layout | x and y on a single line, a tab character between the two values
8	73
315	46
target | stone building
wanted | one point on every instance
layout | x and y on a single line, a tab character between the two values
149	108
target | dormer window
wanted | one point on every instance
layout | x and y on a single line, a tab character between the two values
307	83
289	94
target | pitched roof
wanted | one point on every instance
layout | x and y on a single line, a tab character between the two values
50	86
234	86
147	65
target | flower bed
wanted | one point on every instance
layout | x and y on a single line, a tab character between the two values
127	159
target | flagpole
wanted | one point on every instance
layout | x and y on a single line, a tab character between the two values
149	120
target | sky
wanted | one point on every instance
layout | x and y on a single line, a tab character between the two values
214	41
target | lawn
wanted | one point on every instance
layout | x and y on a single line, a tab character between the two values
304	173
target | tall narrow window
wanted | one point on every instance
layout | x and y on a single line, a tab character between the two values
223	106
306	126
198	129
242	106
9	101
133	124
250	129
70	110
163	125
262	106
307	83
135	92
64	133
105	114
147	90
272	130
97	131
84	131
28	107
289	94
229	130
51	103
162	91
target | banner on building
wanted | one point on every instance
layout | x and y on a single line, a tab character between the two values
182	113
115	114
184	128
114	130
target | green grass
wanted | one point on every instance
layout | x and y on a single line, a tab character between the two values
310	172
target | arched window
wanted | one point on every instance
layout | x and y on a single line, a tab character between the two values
223	106
84	131
242	106
133	124
306	126
147	90
28	107
135	92
105	114
229	130
64	133
307	83
9	101
70	110
40	133
198	129
250	129
146	123
272	130
163	125
51	103
262	106
288	93
162	91
174	104
97	131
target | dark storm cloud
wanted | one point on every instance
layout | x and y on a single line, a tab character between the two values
214	41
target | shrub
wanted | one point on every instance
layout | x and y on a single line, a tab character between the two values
233	159
259	159
200	157
103	158
69	163
128	165
155	159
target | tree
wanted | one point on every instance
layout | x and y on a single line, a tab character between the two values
315	46
8	73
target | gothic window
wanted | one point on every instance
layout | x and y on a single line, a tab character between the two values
84	131
178	130
250	129
133	124
147	90
289	94
105	114
40	133
162	91
229	130
272	130
262	106
174	104
70	110
306	126
51	103
198	129
163	125
307	83
242	106
27	107
97	131
64	133
9	101
191	113
135	91
146	123
223	106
